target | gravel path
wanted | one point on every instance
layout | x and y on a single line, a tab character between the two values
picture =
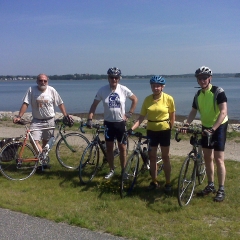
177	148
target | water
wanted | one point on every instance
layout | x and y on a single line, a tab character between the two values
78	95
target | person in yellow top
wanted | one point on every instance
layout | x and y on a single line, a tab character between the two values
159	108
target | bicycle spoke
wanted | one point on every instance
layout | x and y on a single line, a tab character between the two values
201	171
89	164
70	149
129	175
12	166
186	181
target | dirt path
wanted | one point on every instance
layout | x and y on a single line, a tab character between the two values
177	148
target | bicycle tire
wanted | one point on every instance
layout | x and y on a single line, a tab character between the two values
186	181
70	148
201	171
129	175
89	164
10	164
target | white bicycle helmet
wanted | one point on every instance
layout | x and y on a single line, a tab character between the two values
114	71
203	71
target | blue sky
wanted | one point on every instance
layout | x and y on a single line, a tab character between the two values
138	36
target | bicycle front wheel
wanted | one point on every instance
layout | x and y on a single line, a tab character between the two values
201	171
186	181
70	148
129	175
89	164
12	166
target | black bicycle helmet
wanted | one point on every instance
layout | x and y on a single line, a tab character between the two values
203	71
114	71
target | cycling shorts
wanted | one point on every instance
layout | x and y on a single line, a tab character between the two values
39	124
159	137
218	138
114	130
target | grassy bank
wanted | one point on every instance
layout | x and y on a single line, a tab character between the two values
57	195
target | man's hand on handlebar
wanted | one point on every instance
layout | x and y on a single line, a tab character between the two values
89	123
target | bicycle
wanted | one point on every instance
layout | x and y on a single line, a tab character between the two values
193	167
131	170
90	161
20	158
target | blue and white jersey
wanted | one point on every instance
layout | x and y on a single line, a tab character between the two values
113	102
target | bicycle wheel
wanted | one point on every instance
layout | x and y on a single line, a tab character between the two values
129	175
69	149
14	168
186	181
201	171
89	163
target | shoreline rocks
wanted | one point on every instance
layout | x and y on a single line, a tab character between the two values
28	116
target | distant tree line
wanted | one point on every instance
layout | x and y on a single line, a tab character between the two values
103	76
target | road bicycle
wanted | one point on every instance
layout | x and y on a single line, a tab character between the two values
192	168
90	162
20	158
132	169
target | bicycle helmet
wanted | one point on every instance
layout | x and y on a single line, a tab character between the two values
114	71
158	79
203	71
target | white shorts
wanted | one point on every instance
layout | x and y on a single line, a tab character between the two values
39	124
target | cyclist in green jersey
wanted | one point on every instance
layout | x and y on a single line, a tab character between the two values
211	103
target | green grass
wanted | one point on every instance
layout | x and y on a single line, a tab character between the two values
57	195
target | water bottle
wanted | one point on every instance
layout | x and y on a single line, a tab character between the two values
47	147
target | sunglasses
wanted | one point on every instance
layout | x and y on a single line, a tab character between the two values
42	81
114	77
203	78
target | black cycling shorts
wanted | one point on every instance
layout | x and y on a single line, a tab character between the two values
114	130
218	138
159	137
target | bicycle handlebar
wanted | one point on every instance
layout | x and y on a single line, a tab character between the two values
195	132
97	126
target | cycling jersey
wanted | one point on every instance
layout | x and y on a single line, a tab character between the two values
206	102
157	111
113	102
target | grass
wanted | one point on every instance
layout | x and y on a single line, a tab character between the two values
57	195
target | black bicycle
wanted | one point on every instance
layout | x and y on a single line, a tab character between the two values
90	162
132	169
192	168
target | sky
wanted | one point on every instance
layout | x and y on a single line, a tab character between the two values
140	37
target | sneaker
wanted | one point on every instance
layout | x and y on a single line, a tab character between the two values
167	188
153	186
40	168
219	196
110	174
208	189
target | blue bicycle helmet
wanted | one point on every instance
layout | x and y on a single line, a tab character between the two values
114	71
158	79
203	71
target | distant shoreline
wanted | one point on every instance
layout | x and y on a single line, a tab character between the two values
179	118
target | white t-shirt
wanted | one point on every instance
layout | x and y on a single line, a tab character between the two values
113	102
42	102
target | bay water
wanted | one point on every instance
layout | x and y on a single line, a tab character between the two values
78	95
